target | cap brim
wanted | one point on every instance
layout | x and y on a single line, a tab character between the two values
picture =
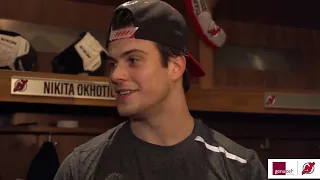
194	67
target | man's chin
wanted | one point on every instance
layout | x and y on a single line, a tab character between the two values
126	112
132	114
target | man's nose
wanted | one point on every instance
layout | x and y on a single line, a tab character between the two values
119	74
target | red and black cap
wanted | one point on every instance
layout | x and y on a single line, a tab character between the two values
157	21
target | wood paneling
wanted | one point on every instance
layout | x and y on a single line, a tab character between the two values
19	144
204	52
277	37
65	144
246	100
290	13
18	150
289	136
57	13
50	120
16	153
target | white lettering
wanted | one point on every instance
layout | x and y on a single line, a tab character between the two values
287	171
129	3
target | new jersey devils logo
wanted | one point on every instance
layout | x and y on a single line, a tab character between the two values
308	168
271	100
20	85
214	31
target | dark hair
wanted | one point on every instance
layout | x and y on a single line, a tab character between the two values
166	52
124	18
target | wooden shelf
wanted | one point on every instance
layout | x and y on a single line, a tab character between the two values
6	96
50	130
219	100
241	100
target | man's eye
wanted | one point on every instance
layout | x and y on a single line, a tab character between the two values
132	60
111	64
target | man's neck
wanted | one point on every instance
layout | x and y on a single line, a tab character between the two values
169	126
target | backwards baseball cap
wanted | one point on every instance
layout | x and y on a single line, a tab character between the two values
156	21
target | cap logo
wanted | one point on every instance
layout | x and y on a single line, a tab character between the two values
129	3
123	33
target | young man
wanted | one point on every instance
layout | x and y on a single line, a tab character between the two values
149	67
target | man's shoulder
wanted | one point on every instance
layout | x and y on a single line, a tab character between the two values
239	160
231	148
81	163
219	143
93	149
99	142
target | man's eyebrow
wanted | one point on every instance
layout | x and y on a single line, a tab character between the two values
127	53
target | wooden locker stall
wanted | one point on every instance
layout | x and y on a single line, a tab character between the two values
49	26
269	52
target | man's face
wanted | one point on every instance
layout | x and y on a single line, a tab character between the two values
137	75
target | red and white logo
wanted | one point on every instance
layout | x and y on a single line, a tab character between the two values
270	100
20	85
308	168
215	31
123	33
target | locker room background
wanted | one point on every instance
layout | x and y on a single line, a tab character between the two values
229	99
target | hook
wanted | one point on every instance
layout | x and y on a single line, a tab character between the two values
266	145
50	137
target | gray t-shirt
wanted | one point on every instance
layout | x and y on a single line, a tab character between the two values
204	155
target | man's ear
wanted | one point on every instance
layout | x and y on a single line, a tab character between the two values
177	66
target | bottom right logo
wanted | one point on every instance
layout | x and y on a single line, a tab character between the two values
308	168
